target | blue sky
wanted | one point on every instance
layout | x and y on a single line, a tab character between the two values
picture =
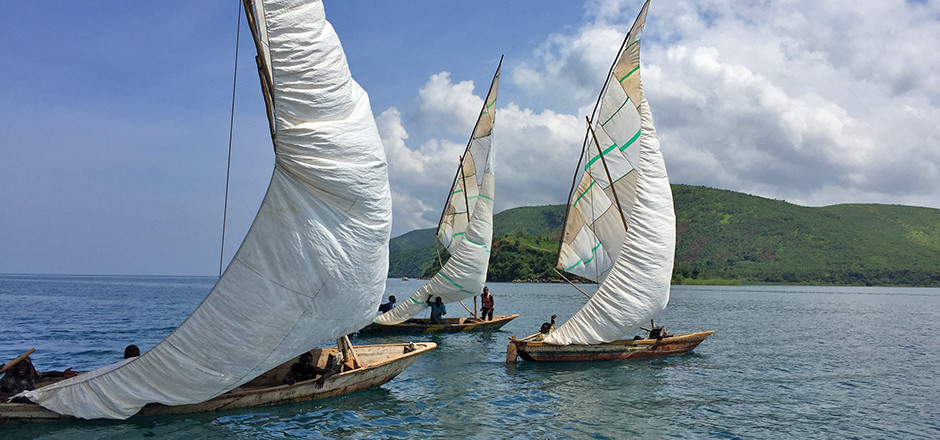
114	115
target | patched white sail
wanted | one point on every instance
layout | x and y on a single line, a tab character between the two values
314	262
620	227
466	226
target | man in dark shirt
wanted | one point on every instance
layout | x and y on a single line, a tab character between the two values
23	376
389	305
303	370
438	310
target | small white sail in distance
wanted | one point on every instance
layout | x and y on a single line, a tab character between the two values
466	226
620	226
314	262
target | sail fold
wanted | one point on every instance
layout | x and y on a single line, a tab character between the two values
313	265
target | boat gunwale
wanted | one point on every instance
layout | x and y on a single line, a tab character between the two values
243	390
685	337
35	413
424	326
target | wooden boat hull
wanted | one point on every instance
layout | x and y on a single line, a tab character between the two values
616	350
450	325
380	364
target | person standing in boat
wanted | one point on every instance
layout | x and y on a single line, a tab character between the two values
547	329
389	305
437	310
486	312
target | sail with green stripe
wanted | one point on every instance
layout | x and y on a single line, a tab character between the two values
466	226
620	223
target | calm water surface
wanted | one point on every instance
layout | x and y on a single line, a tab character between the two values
792	362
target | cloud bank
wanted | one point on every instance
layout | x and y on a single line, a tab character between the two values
814	103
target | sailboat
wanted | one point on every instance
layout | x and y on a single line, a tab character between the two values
620	230
312	267
466	231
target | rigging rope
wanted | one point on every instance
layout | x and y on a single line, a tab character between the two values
231	128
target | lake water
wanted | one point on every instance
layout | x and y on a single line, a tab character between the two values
792	362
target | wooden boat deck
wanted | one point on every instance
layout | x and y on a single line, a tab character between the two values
616	350
379	364
450	325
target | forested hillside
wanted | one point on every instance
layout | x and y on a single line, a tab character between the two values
729	237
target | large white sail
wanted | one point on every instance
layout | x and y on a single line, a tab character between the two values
313	264
466	227
620	229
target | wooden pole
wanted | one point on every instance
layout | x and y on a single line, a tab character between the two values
466	150
607	171
466	195
267	83
574	182
465	307
511	353
349	353
17	360
451	195
572	284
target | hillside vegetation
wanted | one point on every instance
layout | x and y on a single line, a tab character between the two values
729	237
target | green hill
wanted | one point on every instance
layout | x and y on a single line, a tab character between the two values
730	237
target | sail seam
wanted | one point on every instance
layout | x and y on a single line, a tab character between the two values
452	282
624	104
604	153
574	265
583	193
625	175
483	245
628	74
631	141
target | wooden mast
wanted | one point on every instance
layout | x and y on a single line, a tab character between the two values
574	180
607	171
349	353
264	74
463	157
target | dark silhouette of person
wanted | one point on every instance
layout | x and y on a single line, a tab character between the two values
389	305
23	377
438	310
131	351
547	329
303	370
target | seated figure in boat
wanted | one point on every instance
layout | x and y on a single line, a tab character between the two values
486	312
389	305
438	310
547	329
23	376
304	369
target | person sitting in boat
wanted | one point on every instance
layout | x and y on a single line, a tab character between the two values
547	329
486	312
437	310
389	305
304	369
131	351
23	377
